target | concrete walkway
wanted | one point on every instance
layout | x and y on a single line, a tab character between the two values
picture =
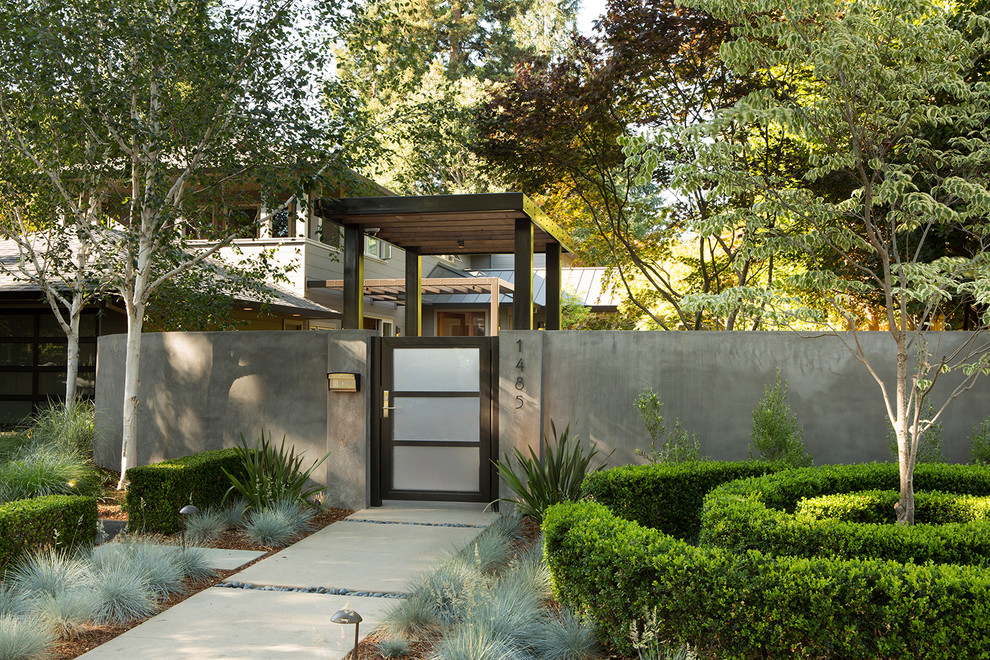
360	562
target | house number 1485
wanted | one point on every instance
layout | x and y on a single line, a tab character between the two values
520	381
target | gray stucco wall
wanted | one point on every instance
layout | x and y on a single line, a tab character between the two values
712	382
201	391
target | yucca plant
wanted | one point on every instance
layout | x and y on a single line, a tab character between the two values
272	475
538	484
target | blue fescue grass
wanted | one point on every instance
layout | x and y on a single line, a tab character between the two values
24	638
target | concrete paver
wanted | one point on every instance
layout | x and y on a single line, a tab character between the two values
237	624
248	624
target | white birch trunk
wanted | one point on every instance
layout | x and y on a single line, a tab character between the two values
132	383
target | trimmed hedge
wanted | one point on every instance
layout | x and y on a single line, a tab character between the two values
668	497
157	491
53	521
877	507
751	605
757	514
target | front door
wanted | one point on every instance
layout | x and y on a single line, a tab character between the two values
435	414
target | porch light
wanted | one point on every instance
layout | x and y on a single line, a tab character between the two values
184	511
348	616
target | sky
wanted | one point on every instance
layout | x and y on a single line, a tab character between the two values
590	10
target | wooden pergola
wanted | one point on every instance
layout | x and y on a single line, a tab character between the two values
500	223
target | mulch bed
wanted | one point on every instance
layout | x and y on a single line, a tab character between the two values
110	509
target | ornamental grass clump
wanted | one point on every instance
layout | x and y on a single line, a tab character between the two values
70	429
272	475
68	612
539	484
566	637
24	638
155	565
49	573
276	525
36	470
124	595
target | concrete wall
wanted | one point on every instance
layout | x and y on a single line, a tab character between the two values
201	391
712	382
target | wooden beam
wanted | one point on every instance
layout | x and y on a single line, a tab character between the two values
353	278
552	293
522	299
414	294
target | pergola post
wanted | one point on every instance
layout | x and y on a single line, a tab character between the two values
493	307
353	277
414	294
552	295
522	298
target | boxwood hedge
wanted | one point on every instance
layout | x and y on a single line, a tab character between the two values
54	521
667	497
877	507
735	605
157	491
758	514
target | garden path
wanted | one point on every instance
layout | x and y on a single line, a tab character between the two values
281	606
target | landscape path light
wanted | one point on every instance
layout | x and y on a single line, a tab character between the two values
184	511
346	616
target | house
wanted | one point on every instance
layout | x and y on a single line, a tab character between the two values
468	289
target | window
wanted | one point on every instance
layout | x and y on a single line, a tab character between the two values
376	248
33	357
461	324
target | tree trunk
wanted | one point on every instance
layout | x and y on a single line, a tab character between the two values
72	358
128	441
905	457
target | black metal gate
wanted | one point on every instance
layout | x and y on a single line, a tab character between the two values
434	419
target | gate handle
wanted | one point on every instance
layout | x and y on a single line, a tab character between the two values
385	406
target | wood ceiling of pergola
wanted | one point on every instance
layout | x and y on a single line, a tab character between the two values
447	224
393	290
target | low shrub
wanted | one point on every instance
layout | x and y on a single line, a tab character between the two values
157	491
877	507
751	605
59	522
758	514
667	497
676	445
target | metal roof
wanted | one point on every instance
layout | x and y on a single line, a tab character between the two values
447	224
586	284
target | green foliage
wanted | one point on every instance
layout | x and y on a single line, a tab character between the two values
70	429
877	507
538	484
272	475
37	470
158	491
59	522
776	435
678	446
751	605
979	443
758	514
667	497
279	523
24	638
155	565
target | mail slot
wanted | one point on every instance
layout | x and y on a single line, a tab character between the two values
344	382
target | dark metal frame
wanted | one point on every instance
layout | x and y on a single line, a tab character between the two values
381	443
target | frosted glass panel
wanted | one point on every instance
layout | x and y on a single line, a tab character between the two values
436	468
426	418
436	369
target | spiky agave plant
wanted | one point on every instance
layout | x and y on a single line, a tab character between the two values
538	484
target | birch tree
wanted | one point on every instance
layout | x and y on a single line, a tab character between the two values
880	93
186	103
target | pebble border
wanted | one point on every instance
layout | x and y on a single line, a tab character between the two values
330	591
402	522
